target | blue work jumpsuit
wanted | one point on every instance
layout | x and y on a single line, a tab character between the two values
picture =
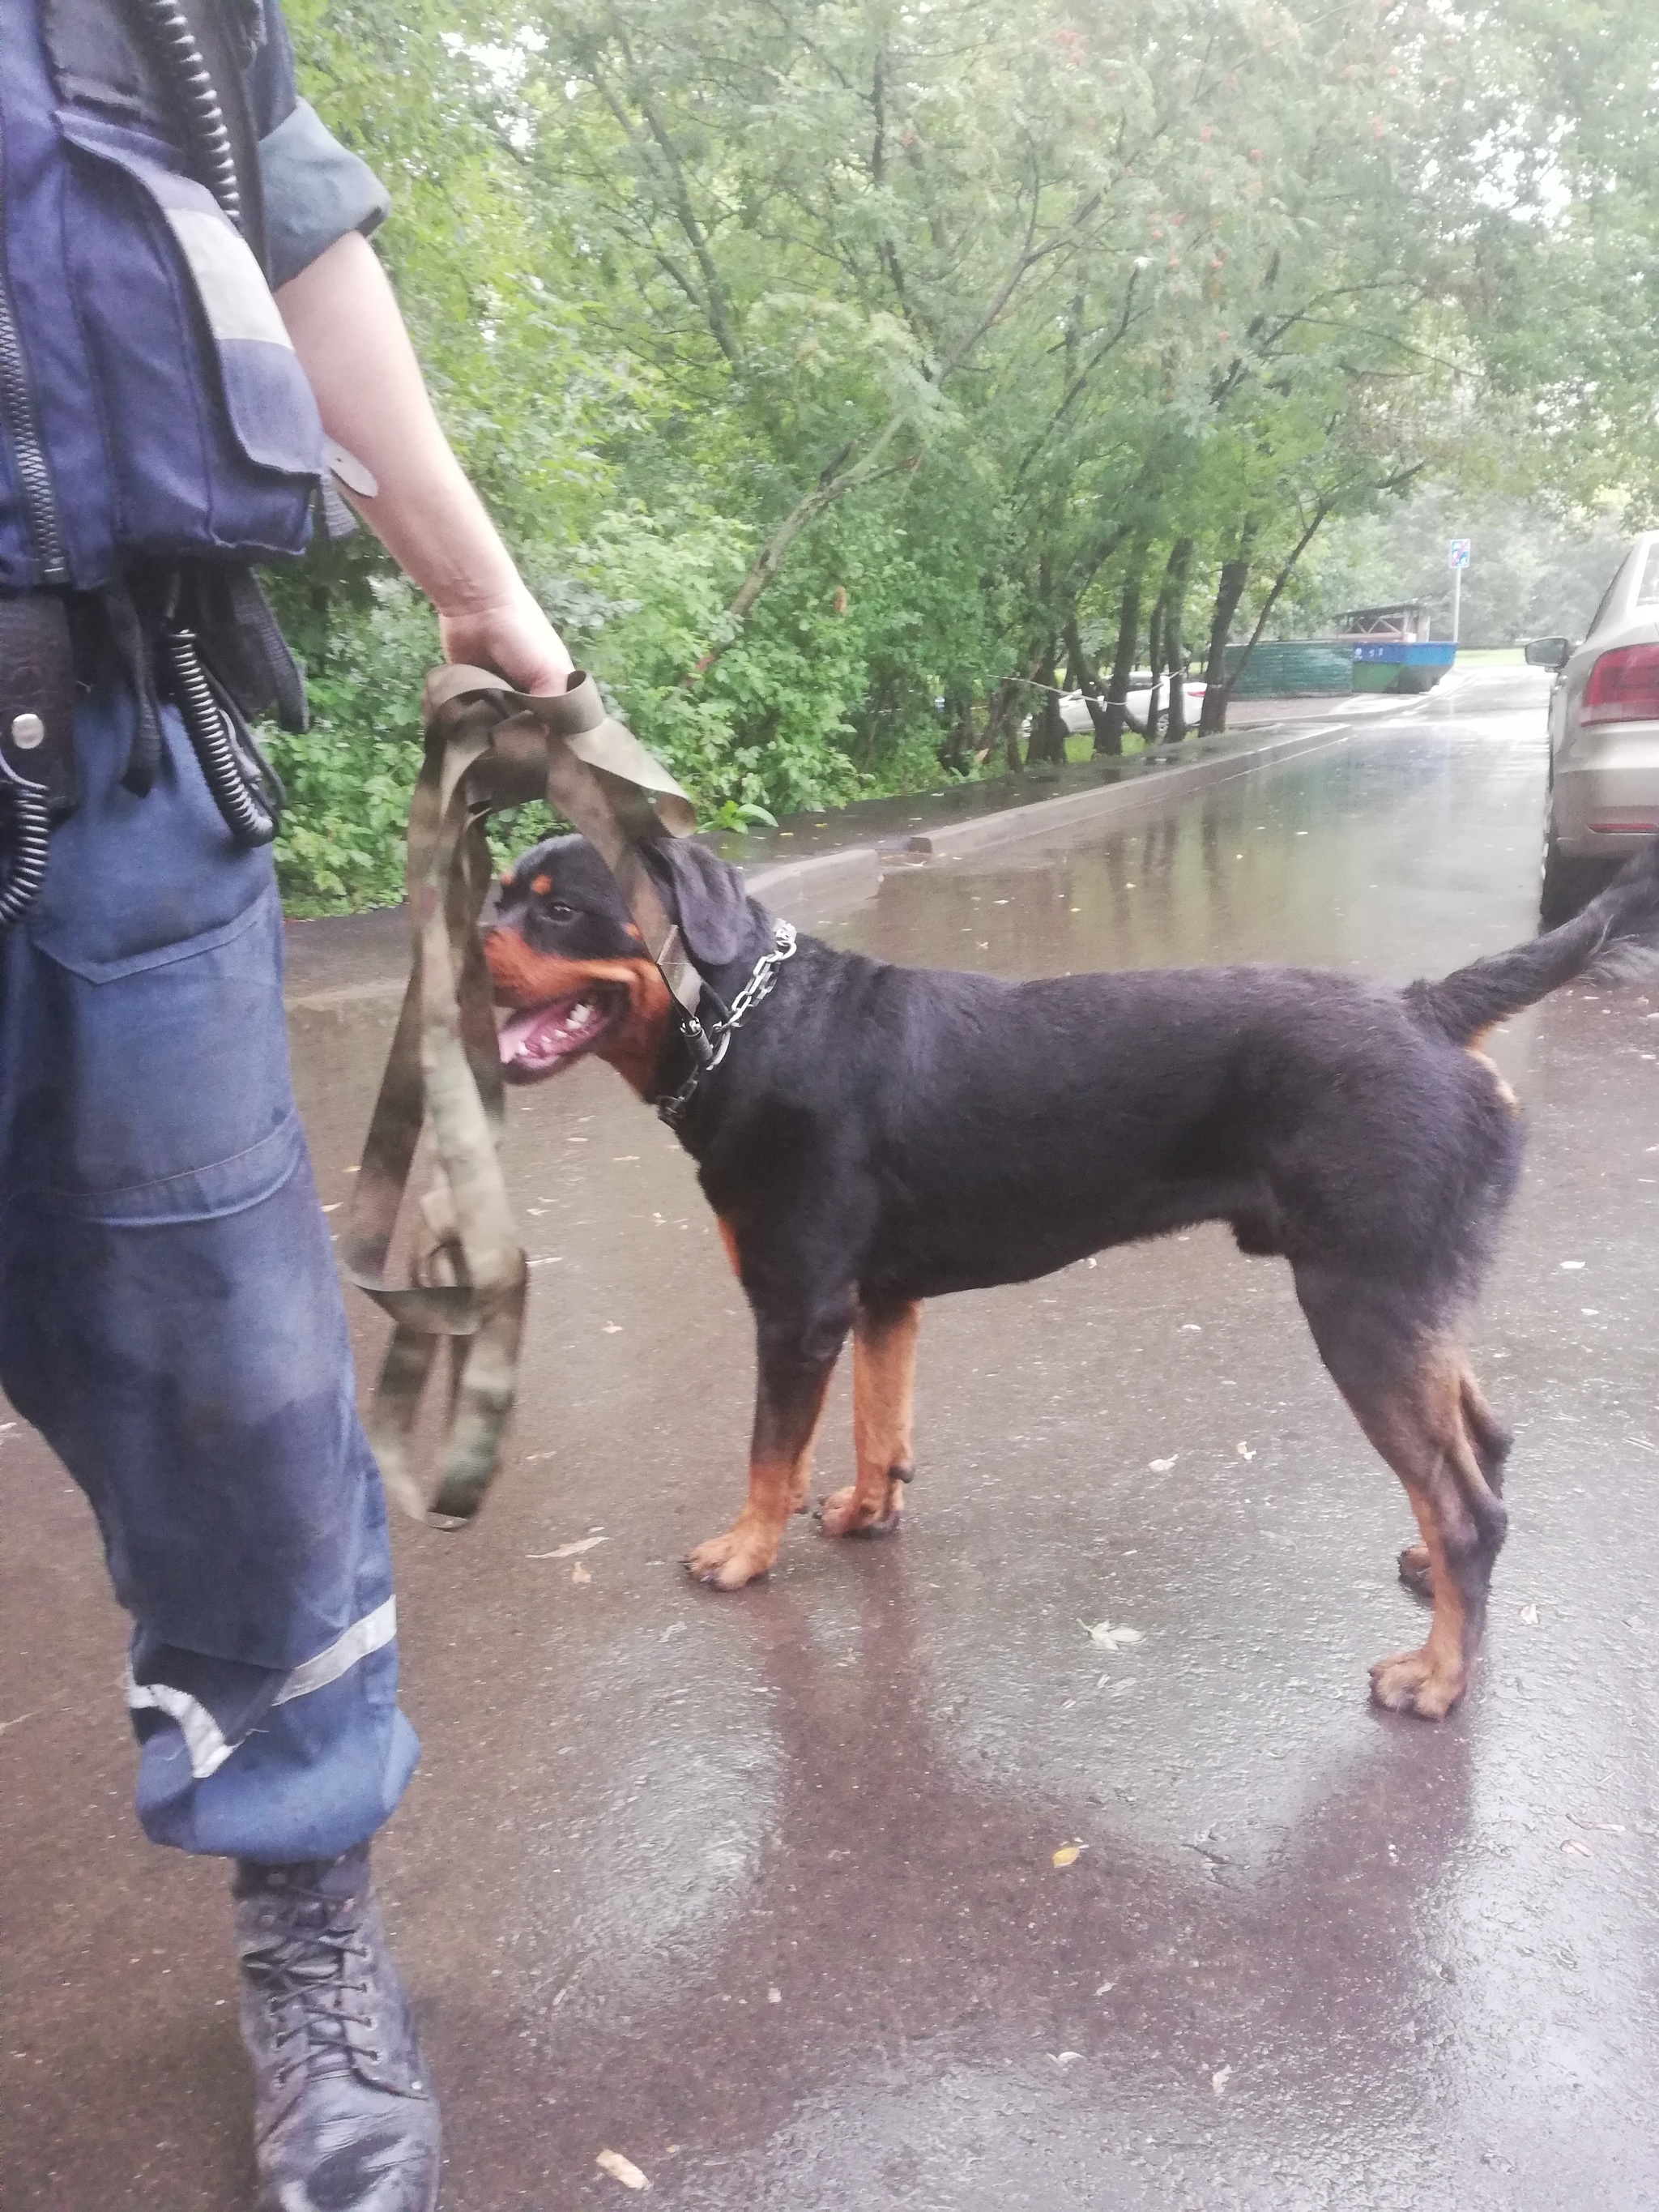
170	1317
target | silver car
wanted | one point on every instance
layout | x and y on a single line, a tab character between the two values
1604	736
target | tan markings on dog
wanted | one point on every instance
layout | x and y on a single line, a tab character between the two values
1422	1428
1415	1571
524	978
729	1238
540	885
884	1382
778	1486
1496	1072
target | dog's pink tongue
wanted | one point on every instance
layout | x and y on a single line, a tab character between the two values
517	1032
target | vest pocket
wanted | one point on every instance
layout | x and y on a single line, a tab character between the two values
182	324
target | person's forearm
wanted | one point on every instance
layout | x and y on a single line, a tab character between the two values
351	343
347	331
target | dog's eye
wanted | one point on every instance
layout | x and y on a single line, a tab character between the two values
561	911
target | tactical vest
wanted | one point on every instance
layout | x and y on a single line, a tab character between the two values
152	409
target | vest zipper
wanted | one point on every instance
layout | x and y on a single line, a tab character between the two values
28	448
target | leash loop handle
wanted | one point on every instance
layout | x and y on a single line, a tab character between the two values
487	746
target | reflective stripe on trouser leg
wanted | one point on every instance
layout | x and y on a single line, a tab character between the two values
170	1318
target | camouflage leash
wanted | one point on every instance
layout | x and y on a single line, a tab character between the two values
487	746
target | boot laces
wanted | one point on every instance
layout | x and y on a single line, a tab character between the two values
309	1985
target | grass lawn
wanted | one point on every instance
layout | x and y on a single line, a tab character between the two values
1081	745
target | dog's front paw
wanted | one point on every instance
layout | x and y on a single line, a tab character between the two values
729	1561
844	1513
1410	1682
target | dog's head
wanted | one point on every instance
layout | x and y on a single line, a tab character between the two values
564	954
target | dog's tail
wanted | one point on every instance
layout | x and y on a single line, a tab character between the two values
1608	938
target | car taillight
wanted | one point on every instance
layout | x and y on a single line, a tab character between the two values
1624	686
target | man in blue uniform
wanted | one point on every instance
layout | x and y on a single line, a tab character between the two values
187	306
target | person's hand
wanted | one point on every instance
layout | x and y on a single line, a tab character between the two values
513	637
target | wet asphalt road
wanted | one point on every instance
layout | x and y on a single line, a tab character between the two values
758	1889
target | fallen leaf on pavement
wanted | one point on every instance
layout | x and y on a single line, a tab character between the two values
1068	1854
1065	2057
1529	1616
1112	1640
1163	1465
1573	1844
1244	1451
612	1327
1220	2078
564	1551
579	1573
621	2169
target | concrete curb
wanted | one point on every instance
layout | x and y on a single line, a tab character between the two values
822	885
1154	792
830	883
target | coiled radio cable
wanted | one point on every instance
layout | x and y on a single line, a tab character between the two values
204	116
28	835
237	775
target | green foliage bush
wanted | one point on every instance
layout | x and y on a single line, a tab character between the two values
349	777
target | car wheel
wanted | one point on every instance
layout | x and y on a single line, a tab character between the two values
1569	883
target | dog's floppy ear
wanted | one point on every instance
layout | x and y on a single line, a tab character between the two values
706	897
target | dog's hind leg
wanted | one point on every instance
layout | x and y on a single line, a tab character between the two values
796	1359
884	1378
1409	1386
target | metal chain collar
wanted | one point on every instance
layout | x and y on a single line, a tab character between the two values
708	1047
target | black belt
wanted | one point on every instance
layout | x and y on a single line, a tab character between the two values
204	637
37	748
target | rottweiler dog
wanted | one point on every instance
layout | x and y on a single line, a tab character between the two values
878	1135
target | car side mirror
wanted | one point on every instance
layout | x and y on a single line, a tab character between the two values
1549	652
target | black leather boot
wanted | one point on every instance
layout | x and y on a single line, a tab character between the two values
346	2120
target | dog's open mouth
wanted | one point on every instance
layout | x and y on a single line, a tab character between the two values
538	1041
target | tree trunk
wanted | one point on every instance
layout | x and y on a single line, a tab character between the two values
1110	740
1079	673
1321	514
1235	575
1047	747
1175	594
1155	662
956	747
1002	723
1082	675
